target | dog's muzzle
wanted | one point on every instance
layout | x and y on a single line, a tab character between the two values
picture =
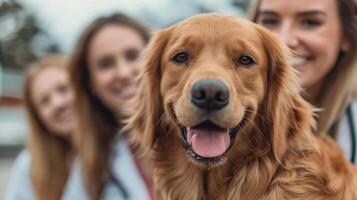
209	94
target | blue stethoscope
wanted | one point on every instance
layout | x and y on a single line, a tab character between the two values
119	185
351	123
116	181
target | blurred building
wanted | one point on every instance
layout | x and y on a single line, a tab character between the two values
12	119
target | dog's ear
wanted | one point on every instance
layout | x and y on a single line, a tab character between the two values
146	108
285	111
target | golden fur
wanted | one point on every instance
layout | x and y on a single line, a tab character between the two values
275	154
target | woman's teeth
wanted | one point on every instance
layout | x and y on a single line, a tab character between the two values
298	61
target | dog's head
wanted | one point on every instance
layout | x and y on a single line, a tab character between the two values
219	86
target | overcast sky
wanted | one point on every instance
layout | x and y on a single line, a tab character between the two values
64	19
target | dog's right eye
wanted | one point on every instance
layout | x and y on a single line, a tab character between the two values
245	60
181	57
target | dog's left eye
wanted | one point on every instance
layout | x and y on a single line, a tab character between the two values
245	60
181	57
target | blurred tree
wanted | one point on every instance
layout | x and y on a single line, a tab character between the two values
21	39
243	4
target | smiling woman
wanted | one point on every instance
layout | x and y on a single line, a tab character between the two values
104	68
49	90
322	35
41	171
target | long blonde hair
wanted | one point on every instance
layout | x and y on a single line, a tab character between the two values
49	171
96	125
340	85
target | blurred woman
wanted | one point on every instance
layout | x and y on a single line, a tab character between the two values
322	35
104	70
41	171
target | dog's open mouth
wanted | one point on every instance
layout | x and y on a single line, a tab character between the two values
208	142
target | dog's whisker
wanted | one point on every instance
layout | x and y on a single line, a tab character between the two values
262	117
254	136
171	128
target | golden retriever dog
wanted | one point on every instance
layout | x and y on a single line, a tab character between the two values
220	112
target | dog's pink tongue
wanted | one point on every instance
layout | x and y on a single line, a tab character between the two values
210	144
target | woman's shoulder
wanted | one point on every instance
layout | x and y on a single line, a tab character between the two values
19	184
23	159
22	164
75	188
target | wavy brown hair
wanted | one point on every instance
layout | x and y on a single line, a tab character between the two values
49	172
96	125
339	88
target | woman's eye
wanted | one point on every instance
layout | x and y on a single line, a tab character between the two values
180	58
245	61
106	62
310	23
45	100
268	22
132	54
63	89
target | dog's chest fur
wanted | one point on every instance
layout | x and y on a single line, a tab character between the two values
261	178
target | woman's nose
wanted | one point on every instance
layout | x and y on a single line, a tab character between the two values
123	70
289	36
58	100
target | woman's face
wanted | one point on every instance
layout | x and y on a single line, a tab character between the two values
311	29
114	64
52	97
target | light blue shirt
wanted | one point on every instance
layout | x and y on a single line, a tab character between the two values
123	168
344	133
20	186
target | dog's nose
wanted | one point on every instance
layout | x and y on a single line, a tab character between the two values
209	94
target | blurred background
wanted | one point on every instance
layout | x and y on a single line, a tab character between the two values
32	28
